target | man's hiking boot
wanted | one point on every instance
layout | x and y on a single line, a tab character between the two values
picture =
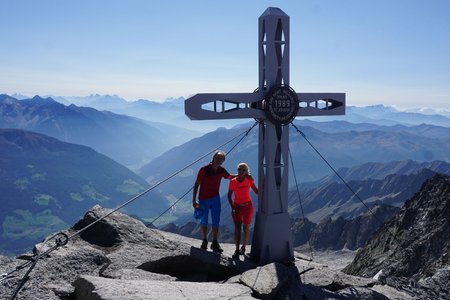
216	247
204	245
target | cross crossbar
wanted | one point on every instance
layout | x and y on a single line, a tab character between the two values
212	106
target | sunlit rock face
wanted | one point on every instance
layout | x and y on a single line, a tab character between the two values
414	246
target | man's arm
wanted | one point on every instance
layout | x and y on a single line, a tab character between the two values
228	175
194	195
198	180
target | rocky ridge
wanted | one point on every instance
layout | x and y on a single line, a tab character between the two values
120	258
335	199
414	246
342	233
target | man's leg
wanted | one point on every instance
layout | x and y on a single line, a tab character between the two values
215	216
204	231
215	233
205	205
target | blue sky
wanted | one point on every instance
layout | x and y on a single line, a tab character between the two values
393	52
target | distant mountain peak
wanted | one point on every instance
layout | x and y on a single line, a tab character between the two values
19	96
43	100
172	99
375	109
6	98
37	98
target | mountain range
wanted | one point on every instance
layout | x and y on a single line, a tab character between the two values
105	131
341	233
337	200
388	115
172	111
127	140
343	149
48	184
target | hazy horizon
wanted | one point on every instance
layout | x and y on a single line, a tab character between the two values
424	109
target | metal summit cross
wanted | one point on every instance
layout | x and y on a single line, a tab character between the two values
275	105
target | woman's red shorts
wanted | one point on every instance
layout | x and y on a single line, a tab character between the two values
243	213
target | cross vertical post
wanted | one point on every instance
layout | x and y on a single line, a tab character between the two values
272	236
275	105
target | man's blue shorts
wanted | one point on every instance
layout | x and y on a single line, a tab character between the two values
212	204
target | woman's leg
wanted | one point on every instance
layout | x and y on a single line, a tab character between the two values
246	234
237	234
247	219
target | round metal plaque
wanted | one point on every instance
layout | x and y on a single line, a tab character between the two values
281	105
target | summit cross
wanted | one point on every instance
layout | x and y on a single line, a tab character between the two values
275	105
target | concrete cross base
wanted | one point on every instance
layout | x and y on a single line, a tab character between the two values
272	239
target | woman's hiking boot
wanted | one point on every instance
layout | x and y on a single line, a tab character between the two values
204	244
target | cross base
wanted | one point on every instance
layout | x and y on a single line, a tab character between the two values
272	238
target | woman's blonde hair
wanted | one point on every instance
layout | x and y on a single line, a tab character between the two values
240	165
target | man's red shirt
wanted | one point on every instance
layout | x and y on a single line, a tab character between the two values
209	181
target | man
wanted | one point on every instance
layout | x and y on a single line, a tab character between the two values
208	179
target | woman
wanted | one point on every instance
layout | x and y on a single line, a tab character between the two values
241	205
